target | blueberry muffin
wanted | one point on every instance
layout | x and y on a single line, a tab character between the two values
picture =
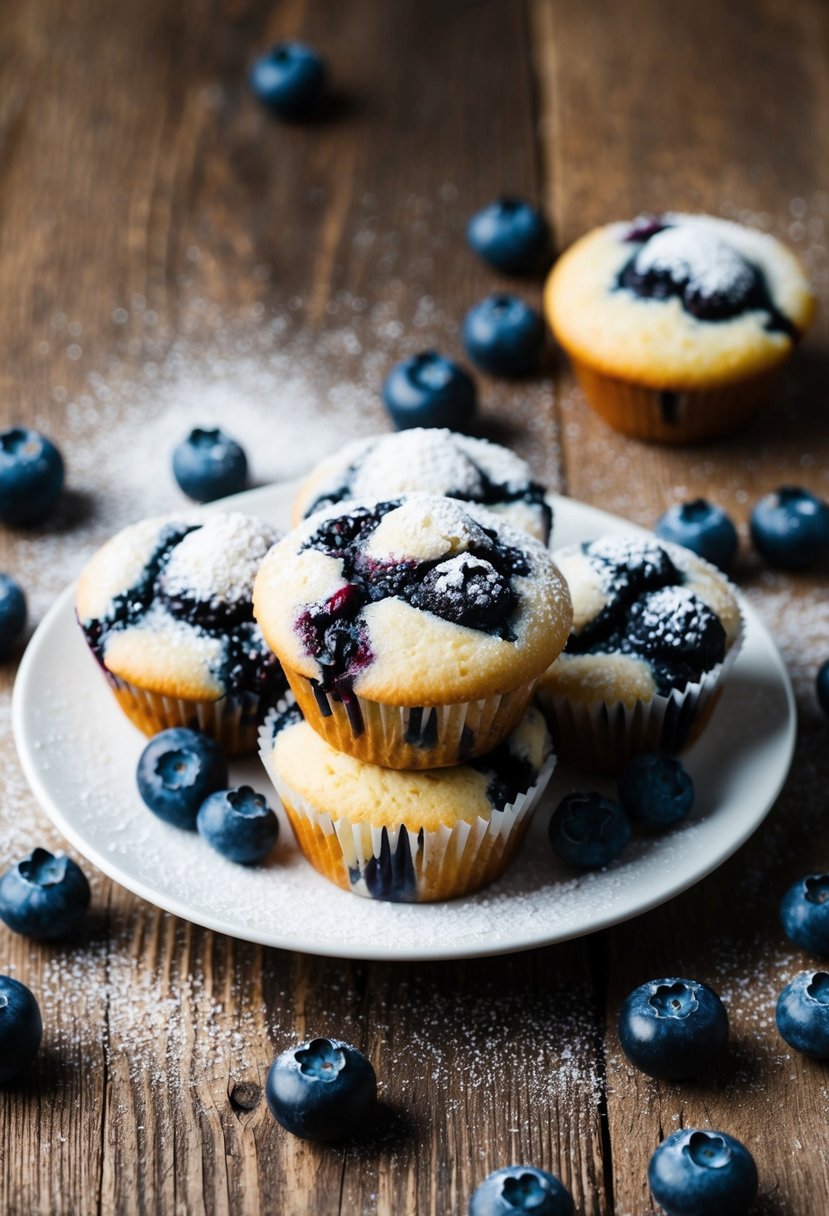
413	631
655	630
434	461
406	836
678	325
166	609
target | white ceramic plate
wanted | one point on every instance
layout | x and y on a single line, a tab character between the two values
79	754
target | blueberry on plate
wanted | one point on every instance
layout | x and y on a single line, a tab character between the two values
429	390
31	476
803	1014
322	1090
790	527
289	79
656	791
504	336
804	913
12	613
673	1029
511	235
521	1188
21	1027
44	896
588	831
208	464
701	527
702	1173
822	686
177	770
239	824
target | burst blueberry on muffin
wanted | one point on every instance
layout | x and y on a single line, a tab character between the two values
413	631
678	325
434	461
406	836
166	609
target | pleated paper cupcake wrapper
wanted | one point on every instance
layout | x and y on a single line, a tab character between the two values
410	737
401	864
231	721
601	736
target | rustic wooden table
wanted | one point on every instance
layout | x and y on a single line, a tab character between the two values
170	255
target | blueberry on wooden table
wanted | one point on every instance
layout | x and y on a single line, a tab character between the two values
31	476
239	824
511	235
504	336
208	464
703	528
44	896
177	770
803	1014
790	527
12	613
673	1029
429	390
656	791
702	1173
322	1090
804	913
289	79
21	1027
521	1188
822	686
588	830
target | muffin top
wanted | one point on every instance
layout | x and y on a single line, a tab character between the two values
347	788
434	461
680	301
648	617
167	604
420	600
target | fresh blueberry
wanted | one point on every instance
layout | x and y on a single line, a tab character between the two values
209	464
822	686
44	896
31	476
673	1028
239	824
289	79
803	1014
12	613
804	913
504	336
790	527
511	235
429	390
701	527
702	1173
176	772
322	1090
656	791
21	1027
521	1188
588	830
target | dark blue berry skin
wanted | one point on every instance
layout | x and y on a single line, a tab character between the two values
673	1029
656	791
209	464
803	1014
588	831
322	1090
790	527
31	476
702	528
21	1028
804	914
521	1188
511	235
177	770
504	336
12	613
429	390
289	79
822	686
239	824
44	896
702	1173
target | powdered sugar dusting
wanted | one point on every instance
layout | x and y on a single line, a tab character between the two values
218	562
696	253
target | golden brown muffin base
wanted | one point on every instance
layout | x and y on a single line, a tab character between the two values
234	729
